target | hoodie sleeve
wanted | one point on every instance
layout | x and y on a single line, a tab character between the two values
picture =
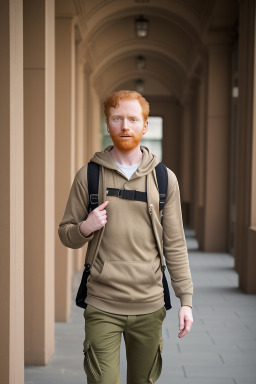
75	213
175	248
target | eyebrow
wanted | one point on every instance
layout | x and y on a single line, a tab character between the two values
130	116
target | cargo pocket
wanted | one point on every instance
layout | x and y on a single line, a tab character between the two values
91	364
156	369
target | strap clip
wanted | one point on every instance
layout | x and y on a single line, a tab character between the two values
87	267
120	193
161	200
94	199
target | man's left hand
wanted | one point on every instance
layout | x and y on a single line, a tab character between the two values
185	320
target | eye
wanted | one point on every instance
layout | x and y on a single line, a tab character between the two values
116	118
133	119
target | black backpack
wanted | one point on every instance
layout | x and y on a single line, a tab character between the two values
93	172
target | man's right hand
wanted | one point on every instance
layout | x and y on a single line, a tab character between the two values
95	220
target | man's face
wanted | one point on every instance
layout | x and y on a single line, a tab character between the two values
126	125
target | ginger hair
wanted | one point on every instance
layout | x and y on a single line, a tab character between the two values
113	102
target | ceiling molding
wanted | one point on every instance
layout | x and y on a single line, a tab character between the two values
81	18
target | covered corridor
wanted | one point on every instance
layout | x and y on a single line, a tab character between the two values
194	61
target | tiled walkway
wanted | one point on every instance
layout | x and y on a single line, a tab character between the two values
220	349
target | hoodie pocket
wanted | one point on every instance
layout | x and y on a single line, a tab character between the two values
127	280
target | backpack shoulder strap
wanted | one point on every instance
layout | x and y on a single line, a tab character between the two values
93	174
162	181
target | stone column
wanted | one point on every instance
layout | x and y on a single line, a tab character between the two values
80	134
200	133
251	283
86	108
245	231
64	156
169	109
215	236
171	135
80	155
12	194
94	121
39	180
186	159
186	152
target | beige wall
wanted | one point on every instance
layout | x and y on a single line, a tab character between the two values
12	194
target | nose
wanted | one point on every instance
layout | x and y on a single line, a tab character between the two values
125	125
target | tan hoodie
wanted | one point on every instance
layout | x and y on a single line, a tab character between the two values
126	275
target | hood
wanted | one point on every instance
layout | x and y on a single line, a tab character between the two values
148	163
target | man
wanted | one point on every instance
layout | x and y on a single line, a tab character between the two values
125	293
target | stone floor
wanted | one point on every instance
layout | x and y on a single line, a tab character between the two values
220	349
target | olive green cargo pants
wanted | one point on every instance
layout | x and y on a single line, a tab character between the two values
143	341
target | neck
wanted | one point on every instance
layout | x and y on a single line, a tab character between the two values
126	158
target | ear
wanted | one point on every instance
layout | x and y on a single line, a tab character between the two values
145	128
106	121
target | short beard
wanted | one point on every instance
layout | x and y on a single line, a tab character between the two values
126	145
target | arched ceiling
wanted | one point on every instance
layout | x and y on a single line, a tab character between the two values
171	39
176	29
158	68
99	10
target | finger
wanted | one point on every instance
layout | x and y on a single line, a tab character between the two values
186	328
101	224
181	324
102	206
184	332
100	214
